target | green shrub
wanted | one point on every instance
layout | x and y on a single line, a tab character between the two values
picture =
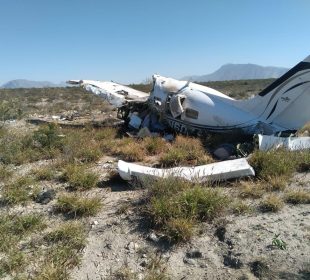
185	151
20	191
79	177
75	205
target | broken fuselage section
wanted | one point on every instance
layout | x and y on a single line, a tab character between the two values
190	108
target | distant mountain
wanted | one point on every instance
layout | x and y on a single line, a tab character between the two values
21	83
240	72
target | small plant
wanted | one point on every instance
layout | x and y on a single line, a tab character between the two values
66	242
179	229
79	177
239	207
298	197
20	191
44	173
75	205
271	204
249	189
13	262
185	150
279	243
14	227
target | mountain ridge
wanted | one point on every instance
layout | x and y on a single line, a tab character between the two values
23	83
232	71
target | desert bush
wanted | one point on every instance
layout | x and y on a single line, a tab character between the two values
80	145
21	190
5	173
66	243
154	145
239	207
79	178
77	206
48	136
271	203
14	227
250	189
185	151
44	173
130	150
14	261
297	197
179	229
175	206
273	163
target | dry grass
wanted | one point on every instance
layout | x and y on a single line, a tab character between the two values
271	203
250	189
77	206
175	206
79	177
185	151
21	191
297	197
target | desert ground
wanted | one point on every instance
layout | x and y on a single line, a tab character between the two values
66	214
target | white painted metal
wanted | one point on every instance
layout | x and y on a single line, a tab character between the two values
116	94
268	142
211	172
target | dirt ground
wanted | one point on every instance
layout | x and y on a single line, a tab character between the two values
233	247
116	241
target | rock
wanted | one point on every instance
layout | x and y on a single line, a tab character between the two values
220	233
224	151
45	197
189	261
132	246
194	254
232	261
153	237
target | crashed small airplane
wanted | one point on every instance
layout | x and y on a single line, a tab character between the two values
191	108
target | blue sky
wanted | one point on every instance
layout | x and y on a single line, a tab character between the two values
129	40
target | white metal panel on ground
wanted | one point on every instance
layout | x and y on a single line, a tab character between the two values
218	171
268	142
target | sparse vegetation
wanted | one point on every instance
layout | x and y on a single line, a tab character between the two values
175	206
45	246
278	242
185	151
271	203
76	205
79	178
297	197
21	190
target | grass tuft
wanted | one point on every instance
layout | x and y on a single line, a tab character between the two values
79	178
185	151
76	205
176	206
298	197
19	191
272	203
14	227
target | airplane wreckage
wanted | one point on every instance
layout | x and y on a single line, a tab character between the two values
193	109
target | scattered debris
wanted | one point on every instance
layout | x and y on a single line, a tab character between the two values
211	172
268	142
191	108
224	151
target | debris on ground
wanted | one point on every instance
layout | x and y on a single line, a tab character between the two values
218	171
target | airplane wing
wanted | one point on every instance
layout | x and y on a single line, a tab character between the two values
116	94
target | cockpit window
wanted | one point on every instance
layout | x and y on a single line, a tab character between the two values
191	113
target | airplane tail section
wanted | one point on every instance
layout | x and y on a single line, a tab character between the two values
286	102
